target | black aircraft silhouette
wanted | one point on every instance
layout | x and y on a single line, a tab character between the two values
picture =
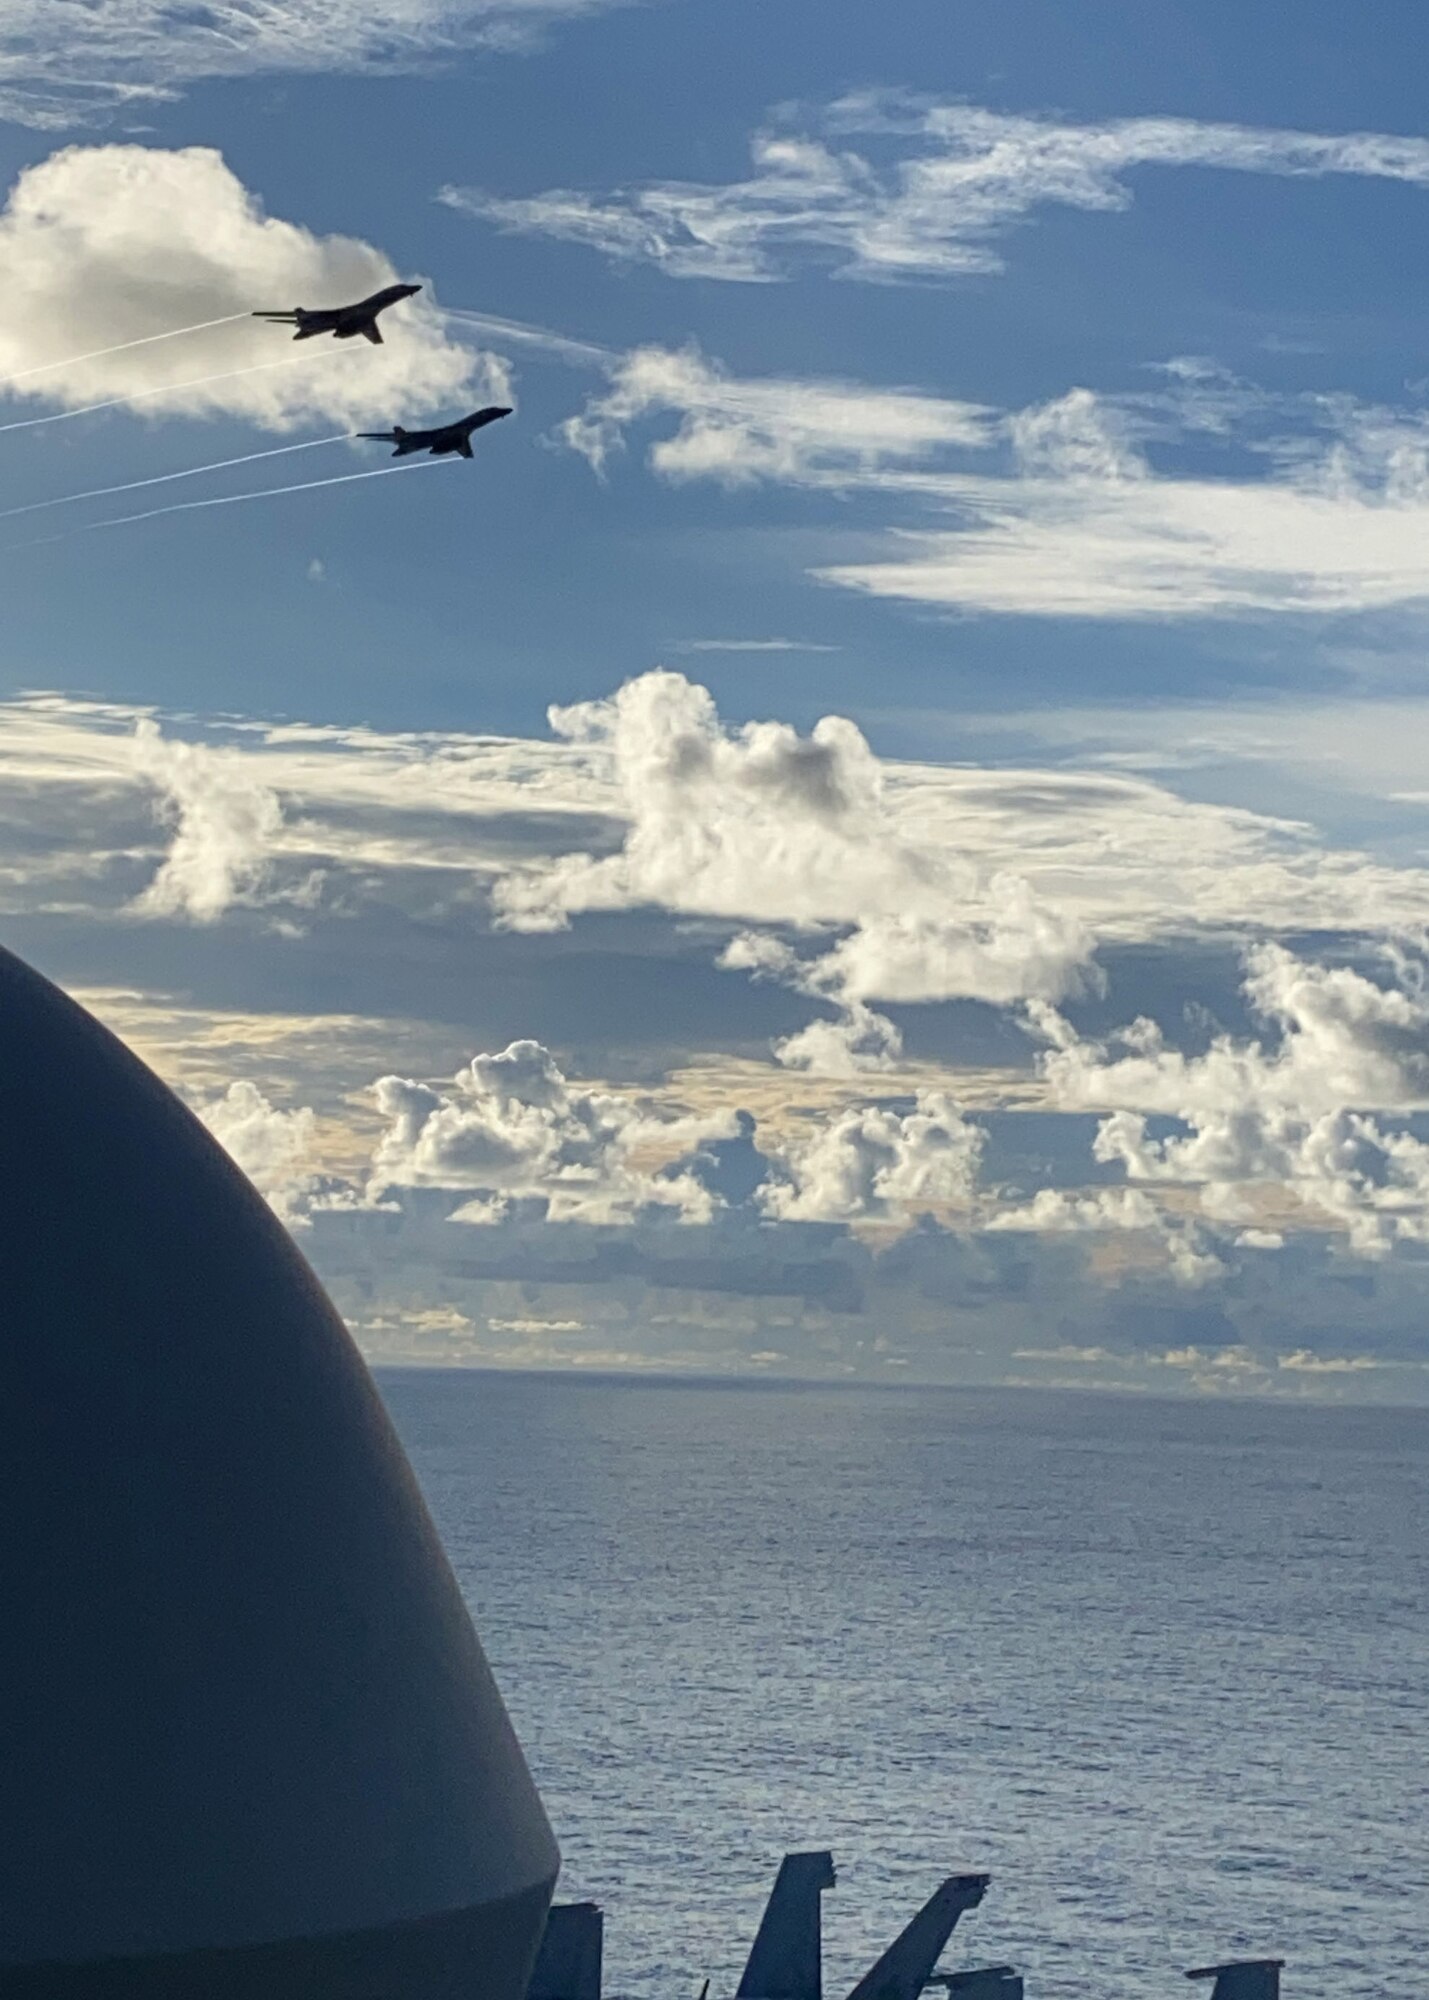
446	437
343	321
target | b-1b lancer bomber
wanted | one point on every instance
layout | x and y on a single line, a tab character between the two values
445	438
343	322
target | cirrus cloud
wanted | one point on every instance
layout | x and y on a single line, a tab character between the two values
62	65
930	189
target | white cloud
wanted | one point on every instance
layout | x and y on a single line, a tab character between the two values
857	1042
1302	1362
224	819
1295	1115
927	194
737	432
105	245
1069	519
751	646
573	1176
1183	1248
65	65
1022	948
760	827
512	1125
1075	436
1094	535
272	1147
1343	1039
869	1163
765	824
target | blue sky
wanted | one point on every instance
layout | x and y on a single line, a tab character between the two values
1038	392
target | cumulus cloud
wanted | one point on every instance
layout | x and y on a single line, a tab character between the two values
764	824
927	193
272	1147
1183	1248
870	1163
1293	1112
107	245
63	65
511	1125
224	822
647	799
858	1041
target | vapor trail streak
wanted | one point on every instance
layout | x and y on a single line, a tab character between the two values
583	353
169	389
162	478
228	500
120	347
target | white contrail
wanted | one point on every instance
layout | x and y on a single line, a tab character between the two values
582	353
169	389
162	478
227	500
120	347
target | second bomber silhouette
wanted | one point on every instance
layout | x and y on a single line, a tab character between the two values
445	438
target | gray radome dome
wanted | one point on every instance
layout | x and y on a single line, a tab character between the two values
252	1745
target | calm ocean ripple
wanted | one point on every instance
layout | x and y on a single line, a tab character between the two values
1163	1668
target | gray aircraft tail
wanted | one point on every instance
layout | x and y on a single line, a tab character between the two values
907	1965
397	436
568	1965
1243	1978
786	1960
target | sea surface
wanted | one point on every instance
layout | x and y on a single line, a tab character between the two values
1163	1668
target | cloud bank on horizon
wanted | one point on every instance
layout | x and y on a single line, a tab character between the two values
1201	1175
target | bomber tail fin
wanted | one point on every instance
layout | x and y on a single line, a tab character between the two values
568	1965
907	1965
786	1960
396	436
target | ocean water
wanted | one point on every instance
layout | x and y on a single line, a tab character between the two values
1163	1668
